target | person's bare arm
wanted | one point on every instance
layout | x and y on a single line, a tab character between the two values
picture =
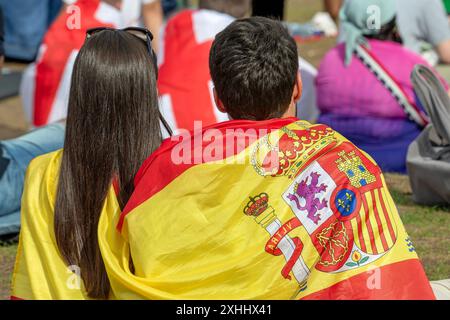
443	50
333	7
153	20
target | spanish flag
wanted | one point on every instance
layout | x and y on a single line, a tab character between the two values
277	209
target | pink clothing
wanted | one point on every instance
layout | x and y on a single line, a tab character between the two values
355	91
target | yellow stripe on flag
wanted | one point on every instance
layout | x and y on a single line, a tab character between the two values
384	222
365	231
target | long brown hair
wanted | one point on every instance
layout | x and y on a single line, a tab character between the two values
112	127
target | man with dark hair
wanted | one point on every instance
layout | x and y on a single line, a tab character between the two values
263	206
245	89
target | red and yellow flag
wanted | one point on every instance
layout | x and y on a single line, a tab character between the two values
277	209
289	210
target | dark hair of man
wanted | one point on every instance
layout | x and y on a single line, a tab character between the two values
112	127
235	8
254	66
388	32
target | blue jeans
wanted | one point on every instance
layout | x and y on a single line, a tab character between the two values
15	155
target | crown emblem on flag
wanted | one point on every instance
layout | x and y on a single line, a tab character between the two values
352	166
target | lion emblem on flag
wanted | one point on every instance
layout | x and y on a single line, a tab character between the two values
308	192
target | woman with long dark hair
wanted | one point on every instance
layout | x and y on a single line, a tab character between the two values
113	125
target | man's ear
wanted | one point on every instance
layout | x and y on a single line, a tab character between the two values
218	102
298	89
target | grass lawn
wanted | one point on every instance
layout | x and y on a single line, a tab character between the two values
428	227
7	257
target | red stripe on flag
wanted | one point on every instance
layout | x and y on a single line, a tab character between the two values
386	216
403	280
159	169
360	236
369	226
49	72
380	225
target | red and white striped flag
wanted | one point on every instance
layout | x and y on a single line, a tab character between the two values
184	81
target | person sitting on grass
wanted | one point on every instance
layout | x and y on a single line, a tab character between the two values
15	156
185	84
113	124
365	93
45	83
44	89
264	206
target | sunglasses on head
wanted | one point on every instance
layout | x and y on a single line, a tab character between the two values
146	36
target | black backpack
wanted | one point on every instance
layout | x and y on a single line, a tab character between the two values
428	159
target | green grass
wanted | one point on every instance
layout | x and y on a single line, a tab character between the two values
428	227
7	258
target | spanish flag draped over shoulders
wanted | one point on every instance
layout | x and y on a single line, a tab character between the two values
40	271
277	209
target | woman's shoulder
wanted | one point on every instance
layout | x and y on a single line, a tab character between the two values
44	163
42	174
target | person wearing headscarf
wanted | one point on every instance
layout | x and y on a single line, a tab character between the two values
364	88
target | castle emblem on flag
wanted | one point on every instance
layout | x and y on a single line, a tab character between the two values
352	166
